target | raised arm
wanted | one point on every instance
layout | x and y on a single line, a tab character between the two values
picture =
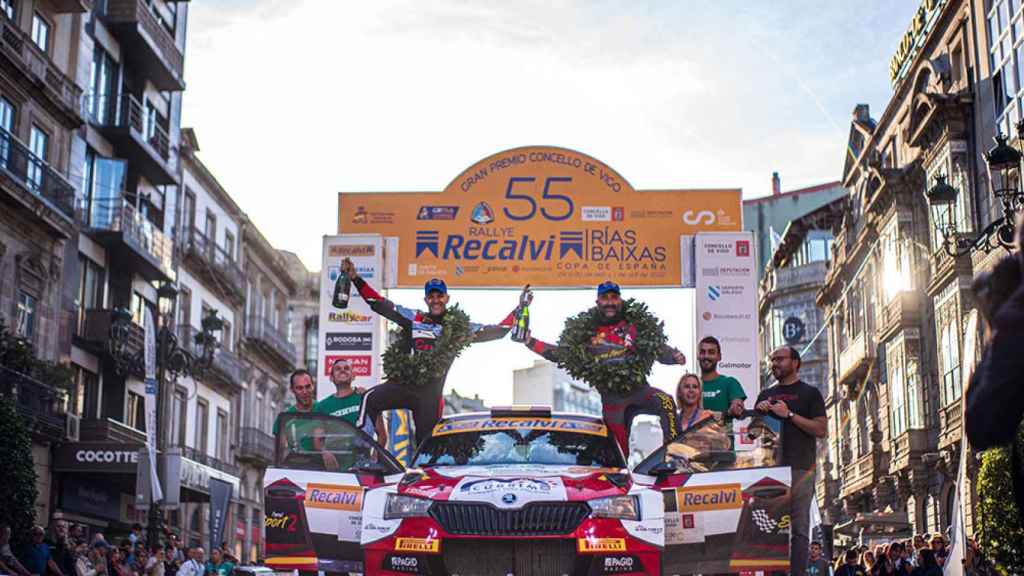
549	352
670	355
381	305
487	332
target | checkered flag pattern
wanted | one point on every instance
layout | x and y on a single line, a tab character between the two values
764	522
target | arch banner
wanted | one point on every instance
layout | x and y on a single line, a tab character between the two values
540	215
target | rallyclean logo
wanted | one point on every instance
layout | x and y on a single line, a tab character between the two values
713	497
332	497
601	544
417	545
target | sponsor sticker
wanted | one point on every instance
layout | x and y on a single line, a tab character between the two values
349	317
620	564
480	424
333	497
489	486
601	544
743	248
360	363
437	212
405	564
713	497
340	341
596	213
417	545
350	250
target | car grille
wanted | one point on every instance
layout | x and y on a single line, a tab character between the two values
541	519
503	557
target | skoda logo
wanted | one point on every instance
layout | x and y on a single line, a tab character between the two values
509	498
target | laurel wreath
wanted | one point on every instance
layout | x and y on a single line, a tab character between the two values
576	357
415	368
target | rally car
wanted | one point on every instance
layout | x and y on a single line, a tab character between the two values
517	491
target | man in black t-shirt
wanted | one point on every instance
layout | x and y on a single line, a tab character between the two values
802	411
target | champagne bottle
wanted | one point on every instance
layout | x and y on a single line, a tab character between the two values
342	288
522	317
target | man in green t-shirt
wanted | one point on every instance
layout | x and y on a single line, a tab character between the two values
345	401
218	565
722	393
299	432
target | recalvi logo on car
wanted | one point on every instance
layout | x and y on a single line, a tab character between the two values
332	497
713	497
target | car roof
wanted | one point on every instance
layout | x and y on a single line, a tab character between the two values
554	415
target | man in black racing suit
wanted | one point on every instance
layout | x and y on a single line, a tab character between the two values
612	339
421	330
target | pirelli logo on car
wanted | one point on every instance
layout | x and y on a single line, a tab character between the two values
557	424
417	545
601	544
713	497
332	497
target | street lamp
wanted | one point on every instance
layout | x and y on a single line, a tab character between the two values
170	357
1004	169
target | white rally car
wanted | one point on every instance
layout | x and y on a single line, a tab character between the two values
523	492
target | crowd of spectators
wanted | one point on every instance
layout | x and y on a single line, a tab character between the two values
68	550
923	555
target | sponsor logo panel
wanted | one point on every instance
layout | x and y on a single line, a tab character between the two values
620	564
477	425
601	544
437	213
351	250
713	497
340	341
361	364
333	497
405	564
417	545
596	214
350	317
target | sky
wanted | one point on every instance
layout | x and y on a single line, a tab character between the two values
295	101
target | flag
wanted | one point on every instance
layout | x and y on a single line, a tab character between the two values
400	436
150	403
954	565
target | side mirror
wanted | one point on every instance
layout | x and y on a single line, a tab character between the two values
371	468
662	469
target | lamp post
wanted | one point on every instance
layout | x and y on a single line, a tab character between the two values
171	359
1004	169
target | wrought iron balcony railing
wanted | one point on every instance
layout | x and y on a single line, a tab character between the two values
34	175
257	446
215	262
34	401
264	333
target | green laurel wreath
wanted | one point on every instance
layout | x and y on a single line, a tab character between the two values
624	377
415	368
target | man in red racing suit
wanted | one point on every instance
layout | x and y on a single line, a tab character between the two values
613	342
420	332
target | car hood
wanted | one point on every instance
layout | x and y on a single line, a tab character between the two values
512	486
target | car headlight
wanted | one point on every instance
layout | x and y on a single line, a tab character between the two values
621	507
401	506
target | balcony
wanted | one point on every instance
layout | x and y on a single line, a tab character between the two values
226	367
257	447
214	265
35	185
262	334
71	6
950	425
900	313
139	138
908	448
808	275
855	360
132	240
36	403
37	73
146	44
859	474
109	430
207	460
95	333
944	267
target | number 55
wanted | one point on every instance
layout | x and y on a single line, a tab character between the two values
547	195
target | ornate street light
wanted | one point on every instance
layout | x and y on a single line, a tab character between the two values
171	358
1004	168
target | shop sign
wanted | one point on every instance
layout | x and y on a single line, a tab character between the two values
99	499
107	457
913	39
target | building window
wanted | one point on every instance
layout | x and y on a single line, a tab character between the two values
38	143
949	356
188	211
202	425
138	309
103	87
1005	51
7	7
136	412
897	395
312	343
915	409
952	166
102	186
179	417
895	262
26	321
40	32
229	245
211	228
222	436
226	341
185	307
90	289
82	399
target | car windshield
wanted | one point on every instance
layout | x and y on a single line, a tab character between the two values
708	446
519	446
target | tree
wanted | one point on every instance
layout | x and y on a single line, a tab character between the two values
18	489
1002	534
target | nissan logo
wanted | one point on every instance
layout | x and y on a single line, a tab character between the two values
107	456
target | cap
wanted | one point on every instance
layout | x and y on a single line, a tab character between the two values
608	286
435	284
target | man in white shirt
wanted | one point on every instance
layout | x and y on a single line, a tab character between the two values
194	565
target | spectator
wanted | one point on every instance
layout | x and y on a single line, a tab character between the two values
867	559
136	534
77	533
8	563
62	544
91	563
118	566
194	565
939	548
927	566
801	409
37	556
816	564
851	567
156	565
218	565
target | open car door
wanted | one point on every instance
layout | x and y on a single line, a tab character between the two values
726	511
313	494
